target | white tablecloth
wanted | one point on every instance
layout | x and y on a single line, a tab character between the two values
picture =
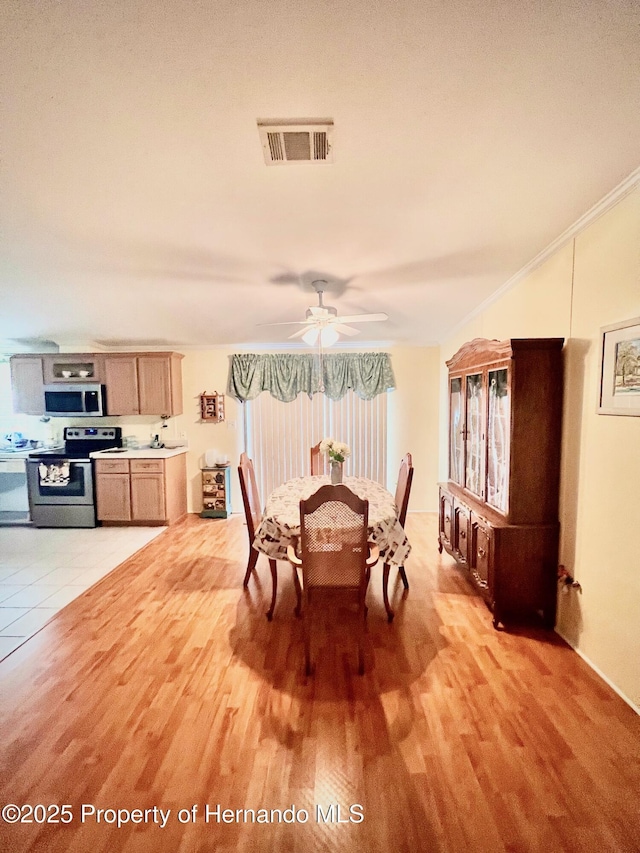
280	525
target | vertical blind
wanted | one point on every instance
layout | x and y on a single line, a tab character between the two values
279	436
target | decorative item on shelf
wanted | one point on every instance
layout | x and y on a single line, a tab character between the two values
337	452
212	407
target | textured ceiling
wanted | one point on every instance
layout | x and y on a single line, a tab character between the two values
137	208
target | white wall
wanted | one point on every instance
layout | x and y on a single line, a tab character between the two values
591	282
413	422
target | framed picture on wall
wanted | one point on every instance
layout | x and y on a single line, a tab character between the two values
620	369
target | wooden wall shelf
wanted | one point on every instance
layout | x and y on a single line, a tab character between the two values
212	407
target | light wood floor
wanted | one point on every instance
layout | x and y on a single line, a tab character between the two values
165	686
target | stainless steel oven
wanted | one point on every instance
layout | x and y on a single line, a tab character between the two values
74	400
60	482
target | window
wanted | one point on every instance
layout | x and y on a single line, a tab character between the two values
279	436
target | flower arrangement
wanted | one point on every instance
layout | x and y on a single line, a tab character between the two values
337	451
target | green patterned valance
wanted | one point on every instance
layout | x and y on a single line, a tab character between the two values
285	375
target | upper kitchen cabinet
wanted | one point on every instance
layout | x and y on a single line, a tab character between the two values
73	367
144	383
135	383
121	380
160	384
27	384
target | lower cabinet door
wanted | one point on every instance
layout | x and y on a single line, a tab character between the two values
113	497
446	523
481	548
461	541
147	497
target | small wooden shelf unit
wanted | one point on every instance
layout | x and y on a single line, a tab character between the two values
216	492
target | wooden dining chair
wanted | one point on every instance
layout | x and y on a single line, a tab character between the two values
253	515
317	462
403	490
335	555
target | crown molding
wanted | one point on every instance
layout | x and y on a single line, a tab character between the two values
606	203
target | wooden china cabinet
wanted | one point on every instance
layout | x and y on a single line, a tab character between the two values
498	514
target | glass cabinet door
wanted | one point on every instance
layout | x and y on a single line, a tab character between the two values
456	432
498	431
474	467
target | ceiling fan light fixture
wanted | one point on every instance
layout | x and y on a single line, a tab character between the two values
328	336
311	336
322	324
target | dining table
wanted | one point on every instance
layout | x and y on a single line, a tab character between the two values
280	525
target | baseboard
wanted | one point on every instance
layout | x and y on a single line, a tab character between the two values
599	672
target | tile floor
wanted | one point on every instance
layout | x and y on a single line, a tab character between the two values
42	570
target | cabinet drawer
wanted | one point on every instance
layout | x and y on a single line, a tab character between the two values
112	466
147	466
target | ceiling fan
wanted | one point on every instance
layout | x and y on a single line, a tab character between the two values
322	325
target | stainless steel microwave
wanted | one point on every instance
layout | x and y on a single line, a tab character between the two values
74	400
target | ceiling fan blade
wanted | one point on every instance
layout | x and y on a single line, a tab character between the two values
289	323
362	318
344	330
321	312
299	333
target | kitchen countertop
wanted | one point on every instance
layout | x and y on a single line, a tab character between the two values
141	453
6	455
24	453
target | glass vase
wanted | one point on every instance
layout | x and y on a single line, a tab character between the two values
336	473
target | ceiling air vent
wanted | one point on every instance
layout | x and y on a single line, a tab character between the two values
296	141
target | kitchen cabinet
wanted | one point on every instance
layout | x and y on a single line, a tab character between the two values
147	489
143	491
144	384
27	384
113	490
73	367
121	379
498	512
160	384
147	497
135	383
